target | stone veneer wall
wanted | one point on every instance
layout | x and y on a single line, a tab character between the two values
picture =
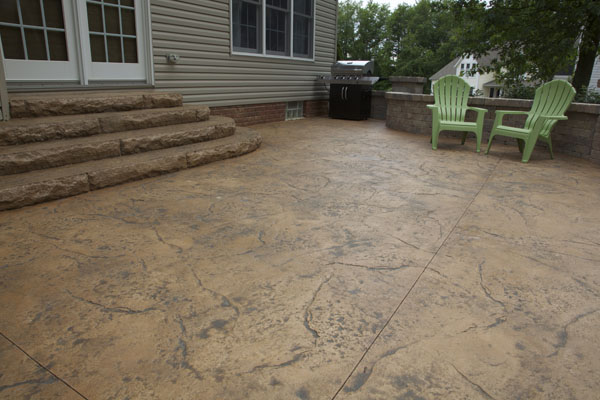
251	114
579	136
378	104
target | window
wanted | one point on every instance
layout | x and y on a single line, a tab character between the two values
246	16
294	110
281	28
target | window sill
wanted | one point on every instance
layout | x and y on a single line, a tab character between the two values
241	53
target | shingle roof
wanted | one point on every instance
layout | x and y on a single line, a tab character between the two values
448	69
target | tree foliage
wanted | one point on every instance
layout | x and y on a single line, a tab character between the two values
411	40
534	39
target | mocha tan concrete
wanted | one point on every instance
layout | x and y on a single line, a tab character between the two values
341	259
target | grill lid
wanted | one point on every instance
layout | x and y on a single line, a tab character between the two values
352	67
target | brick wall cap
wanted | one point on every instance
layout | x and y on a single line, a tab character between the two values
408	79
425	98
493	102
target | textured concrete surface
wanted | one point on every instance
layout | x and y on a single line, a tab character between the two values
341	260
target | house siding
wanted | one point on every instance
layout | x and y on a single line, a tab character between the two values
207	73
595	78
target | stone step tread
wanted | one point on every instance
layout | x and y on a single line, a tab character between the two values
105	137
27	130
41	155
29	188
80	102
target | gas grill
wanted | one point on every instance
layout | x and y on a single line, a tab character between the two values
350	87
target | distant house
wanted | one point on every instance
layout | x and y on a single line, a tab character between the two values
486	83
466	67
595	79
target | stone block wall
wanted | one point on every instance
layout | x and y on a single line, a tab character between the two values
579	136
378	104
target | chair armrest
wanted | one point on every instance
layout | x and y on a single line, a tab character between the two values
502	112
556	117
478	109
432	106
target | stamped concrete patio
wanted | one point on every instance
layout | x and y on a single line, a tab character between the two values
340	260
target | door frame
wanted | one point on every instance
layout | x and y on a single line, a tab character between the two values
78	40
19	70
144	44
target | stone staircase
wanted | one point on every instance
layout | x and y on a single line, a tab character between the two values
63	144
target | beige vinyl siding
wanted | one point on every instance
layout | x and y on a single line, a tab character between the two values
207	73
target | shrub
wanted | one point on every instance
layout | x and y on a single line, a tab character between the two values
587	96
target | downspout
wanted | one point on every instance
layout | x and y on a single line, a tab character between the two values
4	109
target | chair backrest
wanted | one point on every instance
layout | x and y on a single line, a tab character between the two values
553	99
451	95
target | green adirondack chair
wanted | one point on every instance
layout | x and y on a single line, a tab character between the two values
549	105
451	94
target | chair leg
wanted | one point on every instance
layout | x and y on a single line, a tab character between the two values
528	149
478	136
521	144
464	137
487	150
435	133
550	148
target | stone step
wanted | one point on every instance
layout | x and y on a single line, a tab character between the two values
56	153
29	188
28	130
27	105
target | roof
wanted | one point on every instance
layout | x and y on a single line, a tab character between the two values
448	69
487	59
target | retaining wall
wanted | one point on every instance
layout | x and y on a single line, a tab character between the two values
579	136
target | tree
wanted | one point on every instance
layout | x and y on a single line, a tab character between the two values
362	32
420	38
535	39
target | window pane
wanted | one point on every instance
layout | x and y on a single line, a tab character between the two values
12	43
302	35
98	50
112	1
58	46
111	17
245	25
9	12
128	21
276	30
36	44
94	12
54	13
303	7
128	3
130	47
114	49
277	3
31	13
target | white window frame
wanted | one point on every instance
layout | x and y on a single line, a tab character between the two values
263	52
